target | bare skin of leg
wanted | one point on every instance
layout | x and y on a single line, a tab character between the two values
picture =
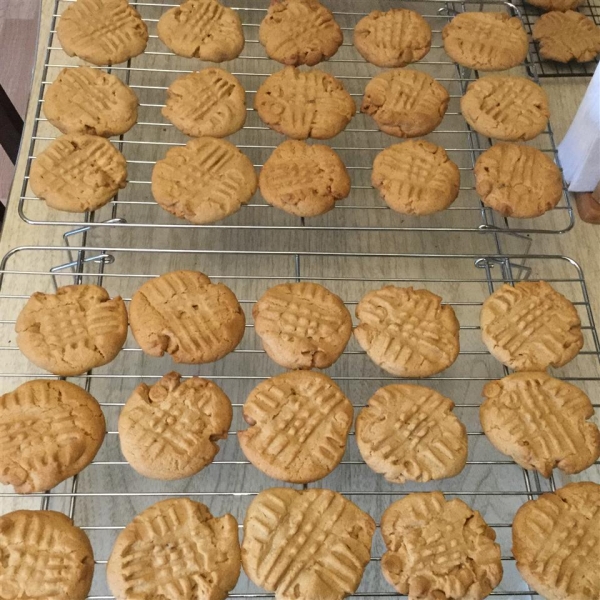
588	205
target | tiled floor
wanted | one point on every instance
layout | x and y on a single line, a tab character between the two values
18	33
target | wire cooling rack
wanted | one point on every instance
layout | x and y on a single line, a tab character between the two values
108	494
550	68
151	73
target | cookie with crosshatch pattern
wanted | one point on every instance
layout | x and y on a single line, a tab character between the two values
517	180
409	433
187	316
103	32
49	431
486	41
439	548
416	177
169	430
303	104
77	329
556	542
299	32
405	102
555	5
175	549
311	543
210	102
204	181
302	325
407	332
541	422
78	173
506	107
530	326
393	38
299	422
86	100
43	555
203	29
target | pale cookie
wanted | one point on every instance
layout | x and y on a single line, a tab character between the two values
203	29
506	107
405	103
306	543
185	315
565	36
103	32
560	5
556	542
44	556
299	32
169	430
304	180
77	329
302	325
175	549
540	422
438	548
407	332
517	180
210	102
530	326
486	41
204	181
394	38
302	104
86	100
299	422
416	177
49	431
78	172
409	433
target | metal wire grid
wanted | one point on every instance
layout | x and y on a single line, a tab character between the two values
150	74
108	494
550	68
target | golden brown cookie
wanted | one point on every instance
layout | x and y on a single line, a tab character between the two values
299	32
169	430
175	549
203	29
78	172
304	180
49	431
184	314
517	180
204	181
565	36
556	542
77	329
409	433
506	107
86	100
302	325
299	422
438	548
541	422
393	38
405	103
302	104
44	556
530	326
407	332
210	102
306	543
103	32
559	5
416	177
486	41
